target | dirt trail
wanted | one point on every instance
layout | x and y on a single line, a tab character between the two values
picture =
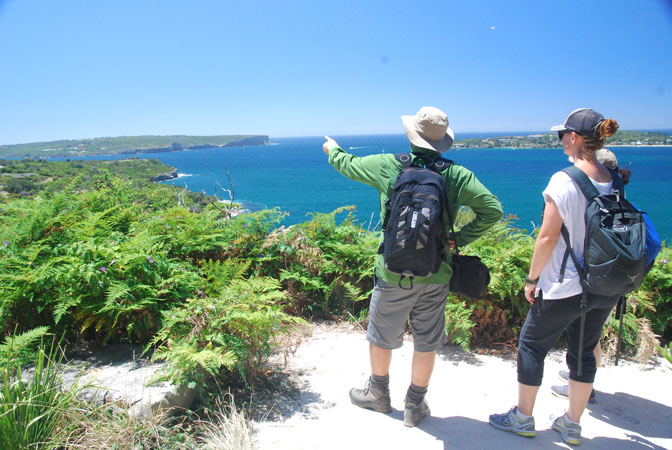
633	408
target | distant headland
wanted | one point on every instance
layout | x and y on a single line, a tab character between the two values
127	145
550	140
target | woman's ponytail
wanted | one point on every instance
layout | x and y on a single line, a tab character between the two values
608	127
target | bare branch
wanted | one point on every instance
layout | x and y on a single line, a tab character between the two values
180	200
227	212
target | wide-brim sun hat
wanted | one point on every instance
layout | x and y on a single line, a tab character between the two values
583	121
429	129
607	158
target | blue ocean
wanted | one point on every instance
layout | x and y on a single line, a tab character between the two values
294	175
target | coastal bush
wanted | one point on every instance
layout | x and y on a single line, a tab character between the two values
326	268
233	331
67	263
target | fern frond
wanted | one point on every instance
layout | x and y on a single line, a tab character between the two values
13	345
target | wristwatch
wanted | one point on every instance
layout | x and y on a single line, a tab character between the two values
528	280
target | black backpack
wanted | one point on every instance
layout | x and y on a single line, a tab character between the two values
614	250
414	230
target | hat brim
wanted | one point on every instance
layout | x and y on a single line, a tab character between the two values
559	128
416	139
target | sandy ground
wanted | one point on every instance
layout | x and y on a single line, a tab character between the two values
633	408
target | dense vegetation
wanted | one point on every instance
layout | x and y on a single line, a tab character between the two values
124	144
97	256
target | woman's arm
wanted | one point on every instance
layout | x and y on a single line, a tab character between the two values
543	247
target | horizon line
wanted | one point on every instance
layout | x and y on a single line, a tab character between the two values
503	133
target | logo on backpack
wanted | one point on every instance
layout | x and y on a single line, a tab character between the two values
414	228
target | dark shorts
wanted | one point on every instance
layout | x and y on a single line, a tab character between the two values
546	320
391	306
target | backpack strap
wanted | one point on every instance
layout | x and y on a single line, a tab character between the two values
407	160
582	181
588	188
410	159
589	191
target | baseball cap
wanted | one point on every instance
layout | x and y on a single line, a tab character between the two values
583	121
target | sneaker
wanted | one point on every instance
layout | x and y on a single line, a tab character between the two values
371	397
563	391
570	432
414	413
564	374
510	422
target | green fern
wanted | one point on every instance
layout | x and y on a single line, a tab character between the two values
234	331
18	343
458	323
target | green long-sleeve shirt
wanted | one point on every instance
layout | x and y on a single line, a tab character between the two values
462	189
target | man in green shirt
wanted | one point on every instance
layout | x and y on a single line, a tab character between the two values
395	301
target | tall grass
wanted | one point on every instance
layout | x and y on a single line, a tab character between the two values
227	429
31	409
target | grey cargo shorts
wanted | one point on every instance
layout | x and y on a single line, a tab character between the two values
391	306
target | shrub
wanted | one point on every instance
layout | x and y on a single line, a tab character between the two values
326	268
234	331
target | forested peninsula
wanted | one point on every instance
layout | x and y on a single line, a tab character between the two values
127	145
550	140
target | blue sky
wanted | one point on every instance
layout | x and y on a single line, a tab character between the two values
82	69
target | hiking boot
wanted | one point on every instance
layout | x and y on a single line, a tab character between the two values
414	413
510	422
372	397
563	391
570	432
564	374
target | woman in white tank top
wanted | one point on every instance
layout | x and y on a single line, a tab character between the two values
555	304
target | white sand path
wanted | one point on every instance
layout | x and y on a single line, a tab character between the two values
633	408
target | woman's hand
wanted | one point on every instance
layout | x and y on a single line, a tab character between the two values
529	292
329	144
543	247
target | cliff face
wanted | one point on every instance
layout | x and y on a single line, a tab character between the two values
176	146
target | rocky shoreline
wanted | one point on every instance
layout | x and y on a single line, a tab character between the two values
165	176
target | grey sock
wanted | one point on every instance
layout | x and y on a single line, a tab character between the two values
381	382
416	394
